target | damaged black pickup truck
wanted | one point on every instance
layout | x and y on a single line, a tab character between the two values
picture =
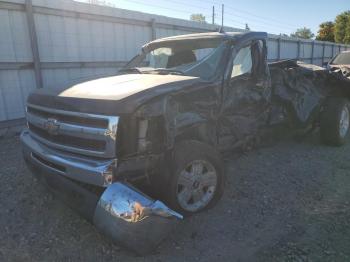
162	124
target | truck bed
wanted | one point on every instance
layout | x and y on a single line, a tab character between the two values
301	88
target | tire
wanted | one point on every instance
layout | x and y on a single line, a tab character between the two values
196	170
334	121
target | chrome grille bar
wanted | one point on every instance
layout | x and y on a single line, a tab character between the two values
53	122
68	129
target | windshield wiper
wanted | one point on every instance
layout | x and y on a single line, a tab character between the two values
165	71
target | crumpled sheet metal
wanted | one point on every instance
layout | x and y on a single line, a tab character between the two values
301	88
132	219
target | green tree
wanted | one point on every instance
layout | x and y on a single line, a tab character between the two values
198	18
326	32
342	28
347	33
304	33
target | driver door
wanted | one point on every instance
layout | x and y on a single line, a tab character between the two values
245	102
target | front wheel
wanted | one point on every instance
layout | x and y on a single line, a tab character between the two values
197	177
335	121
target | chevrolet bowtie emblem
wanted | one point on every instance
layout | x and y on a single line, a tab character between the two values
52	126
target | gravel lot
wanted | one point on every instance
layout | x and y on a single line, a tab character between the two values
286	202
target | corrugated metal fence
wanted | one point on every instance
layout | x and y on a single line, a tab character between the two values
57	43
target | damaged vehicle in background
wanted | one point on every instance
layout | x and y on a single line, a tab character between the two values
162	124
340	63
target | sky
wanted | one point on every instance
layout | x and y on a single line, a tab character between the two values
272	16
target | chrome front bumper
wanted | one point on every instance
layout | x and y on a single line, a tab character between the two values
123	213
83	169
133	219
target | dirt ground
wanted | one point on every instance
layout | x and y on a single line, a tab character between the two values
286	202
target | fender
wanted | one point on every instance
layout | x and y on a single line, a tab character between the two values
193	126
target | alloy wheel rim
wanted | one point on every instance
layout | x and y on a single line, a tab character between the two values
344	122
196	185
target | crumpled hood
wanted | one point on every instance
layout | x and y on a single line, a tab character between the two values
111	95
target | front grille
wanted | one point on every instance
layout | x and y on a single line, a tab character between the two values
70	119
82	143
93	135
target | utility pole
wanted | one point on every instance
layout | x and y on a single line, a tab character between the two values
213	20
222	15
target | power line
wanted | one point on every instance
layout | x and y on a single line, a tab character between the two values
265	28
256	18
168	8
260	25
187	4
200	8
268	21
244	11
158	6
262	17
261	21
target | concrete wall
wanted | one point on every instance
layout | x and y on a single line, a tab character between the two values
77	42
